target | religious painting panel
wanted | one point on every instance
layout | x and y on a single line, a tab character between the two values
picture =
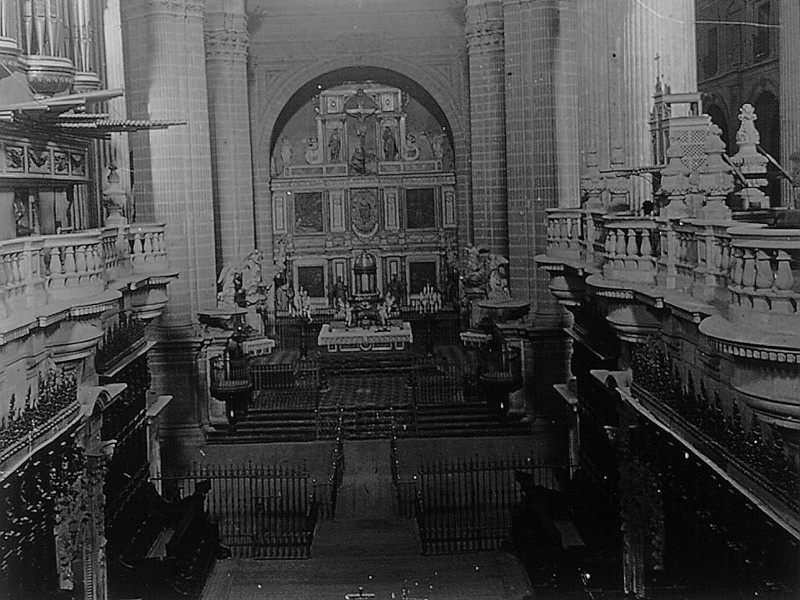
420	208
308	216
364	212
420	274
312	280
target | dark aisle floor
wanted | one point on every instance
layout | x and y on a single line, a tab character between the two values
369	546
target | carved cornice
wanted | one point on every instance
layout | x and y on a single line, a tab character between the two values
178	8
226	36
227	44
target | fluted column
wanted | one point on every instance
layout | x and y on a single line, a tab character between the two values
600	63
541	51
166	79
226	69
116	150
658	42
790	95
487	114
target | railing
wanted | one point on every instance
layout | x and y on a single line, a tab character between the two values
304	374
119	340
263	511
75	265
764	274
468	505
148	248
564	232
406	490
54	400
630	249
326	491
656	382
437	383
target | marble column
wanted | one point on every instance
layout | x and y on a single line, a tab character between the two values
484	24
541	51
166	79
790	96
229	116
658	44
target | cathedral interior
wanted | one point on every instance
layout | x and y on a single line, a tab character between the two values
399	299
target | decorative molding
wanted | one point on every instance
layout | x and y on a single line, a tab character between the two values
226	37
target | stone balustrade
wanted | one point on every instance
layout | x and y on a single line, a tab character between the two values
595	233
630	249
73	265
76	265
565	233
764	278
148	248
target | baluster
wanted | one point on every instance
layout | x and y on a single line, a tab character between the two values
611	242
70	268
647	246
749	268
55	262
81	264
621	242
148	246
569	232
738	266
631	248
764	275
784	279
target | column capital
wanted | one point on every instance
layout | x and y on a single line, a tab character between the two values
226	36
177	8
484	24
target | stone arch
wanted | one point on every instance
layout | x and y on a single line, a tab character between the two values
433	83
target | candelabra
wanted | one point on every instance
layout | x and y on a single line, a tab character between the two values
428	304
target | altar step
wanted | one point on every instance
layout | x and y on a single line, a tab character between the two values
269	425
367	422
464	420
367	362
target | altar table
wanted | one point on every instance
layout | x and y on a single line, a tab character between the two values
358	339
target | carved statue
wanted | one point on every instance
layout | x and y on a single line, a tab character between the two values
397	290
486	272
358	162
246	287
334	146
389	144
339	293
313	154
